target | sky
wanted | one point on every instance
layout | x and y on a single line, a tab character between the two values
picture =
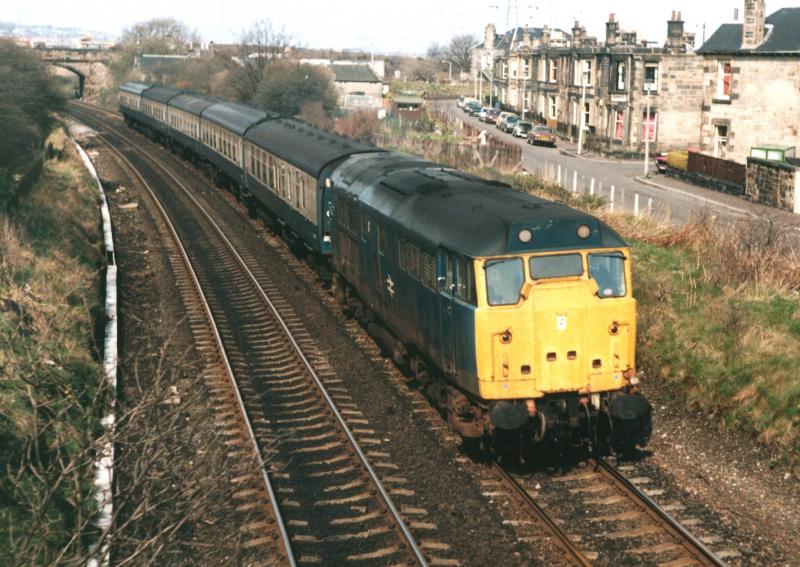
405	26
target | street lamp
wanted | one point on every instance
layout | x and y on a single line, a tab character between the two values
582	109
449	70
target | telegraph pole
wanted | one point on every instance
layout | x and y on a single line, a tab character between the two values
583	113
647	137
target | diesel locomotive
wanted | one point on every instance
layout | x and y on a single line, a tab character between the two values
514	313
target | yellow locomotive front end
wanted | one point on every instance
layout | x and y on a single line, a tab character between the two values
554	323
555	345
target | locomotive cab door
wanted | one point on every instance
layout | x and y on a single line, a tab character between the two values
447	290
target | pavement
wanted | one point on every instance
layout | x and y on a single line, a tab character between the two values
665	197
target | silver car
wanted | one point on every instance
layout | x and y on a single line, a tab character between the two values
521	129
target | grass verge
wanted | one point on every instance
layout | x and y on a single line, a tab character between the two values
50	378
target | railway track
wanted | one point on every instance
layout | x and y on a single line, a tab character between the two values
330	501
626	526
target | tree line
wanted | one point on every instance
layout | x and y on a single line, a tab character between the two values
29	97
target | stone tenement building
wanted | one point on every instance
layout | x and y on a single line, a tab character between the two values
751	83
607	85
740	90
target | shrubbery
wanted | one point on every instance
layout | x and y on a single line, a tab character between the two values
28	98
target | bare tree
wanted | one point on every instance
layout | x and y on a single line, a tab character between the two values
262	44
435	51
460	50
159	35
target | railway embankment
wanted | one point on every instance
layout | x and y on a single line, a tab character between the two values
51	384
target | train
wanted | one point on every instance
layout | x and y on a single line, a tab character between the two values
513	313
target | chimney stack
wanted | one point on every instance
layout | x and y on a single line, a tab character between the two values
612	30
546	36
577	34
754	23
675	32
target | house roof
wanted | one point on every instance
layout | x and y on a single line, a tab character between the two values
503	41
783	37
353	74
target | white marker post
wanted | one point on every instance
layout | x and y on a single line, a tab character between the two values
636	204
611	200
591	187
575	181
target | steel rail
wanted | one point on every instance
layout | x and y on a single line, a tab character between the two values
419	555
691	544
285	543
574	555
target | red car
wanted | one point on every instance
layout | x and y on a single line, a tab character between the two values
491	116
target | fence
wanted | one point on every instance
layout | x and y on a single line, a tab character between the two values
474	146
722	169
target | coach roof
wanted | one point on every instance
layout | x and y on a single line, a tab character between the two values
304	146
135	88
161	94
235	117
192	103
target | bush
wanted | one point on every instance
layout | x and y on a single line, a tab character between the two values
678	160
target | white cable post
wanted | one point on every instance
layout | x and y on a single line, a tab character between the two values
649	206
575	181
611	200
636	204
559	175
591	187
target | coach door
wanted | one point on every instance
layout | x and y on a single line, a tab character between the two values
447	290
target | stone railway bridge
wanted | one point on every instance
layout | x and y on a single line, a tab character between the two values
90	65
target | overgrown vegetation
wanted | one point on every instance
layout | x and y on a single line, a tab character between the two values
28	98
51	389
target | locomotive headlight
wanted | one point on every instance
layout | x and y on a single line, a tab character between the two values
584	231
525	236
328	182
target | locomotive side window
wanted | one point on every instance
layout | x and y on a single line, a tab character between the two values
504	279
608	271
465	280
381	239
559	266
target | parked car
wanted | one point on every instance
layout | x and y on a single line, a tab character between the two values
507	125
661	163
460	101
472	108
482	113
521	129
542	135
491	116
501	118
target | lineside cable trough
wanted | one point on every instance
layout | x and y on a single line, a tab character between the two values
104	462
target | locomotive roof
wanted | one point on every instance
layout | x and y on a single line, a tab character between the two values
304	146
476	217
135	88
235	117
161	94
192	103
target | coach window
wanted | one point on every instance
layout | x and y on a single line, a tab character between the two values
504	279
302	191
364	228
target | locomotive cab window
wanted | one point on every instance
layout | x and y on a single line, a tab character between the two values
504	280
608	271
558	266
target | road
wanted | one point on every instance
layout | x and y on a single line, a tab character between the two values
664	197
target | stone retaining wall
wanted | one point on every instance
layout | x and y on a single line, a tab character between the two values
773	183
